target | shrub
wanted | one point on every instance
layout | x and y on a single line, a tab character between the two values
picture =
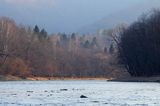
17	67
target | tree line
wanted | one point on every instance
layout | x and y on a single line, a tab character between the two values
26	51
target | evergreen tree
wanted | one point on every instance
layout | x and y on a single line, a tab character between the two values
63	36
43	33
73	36
36	29
94	42
87	44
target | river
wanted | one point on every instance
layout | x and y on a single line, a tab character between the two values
67	93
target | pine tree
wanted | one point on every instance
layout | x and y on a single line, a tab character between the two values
94	42
63	36
43	33
73	36
36	29
87	44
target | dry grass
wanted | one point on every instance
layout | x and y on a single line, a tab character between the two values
63	78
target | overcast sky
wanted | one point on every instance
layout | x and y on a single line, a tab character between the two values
67	15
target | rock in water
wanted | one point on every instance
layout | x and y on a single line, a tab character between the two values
63	89
82	96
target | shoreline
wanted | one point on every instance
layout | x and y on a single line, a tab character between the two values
124	79
15	78
137	79
64	78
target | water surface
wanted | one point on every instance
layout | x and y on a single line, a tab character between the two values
67	93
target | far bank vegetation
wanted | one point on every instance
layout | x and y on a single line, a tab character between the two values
27	51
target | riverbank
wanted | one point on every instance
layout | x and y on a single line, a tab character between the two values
122	79
14	78
137	79
63	78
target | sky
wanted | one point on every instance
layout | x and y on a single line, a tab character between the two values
69	15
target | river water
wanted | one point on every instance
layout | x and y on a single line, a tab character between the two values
67	93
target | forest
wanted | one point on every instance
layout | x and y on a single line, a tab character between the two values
27	51
32	52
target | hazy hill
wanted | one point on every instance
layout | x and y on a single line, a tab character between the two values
126	16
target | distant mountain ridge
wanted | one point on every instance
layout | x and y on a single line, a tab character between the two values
126	16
